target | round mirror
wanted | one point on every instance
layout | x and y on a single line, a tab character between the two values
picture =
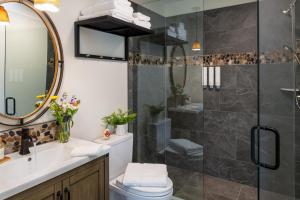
178	69
30	61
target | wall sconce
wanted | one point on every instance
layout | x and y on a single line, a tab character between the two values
4	18
196	45
47	5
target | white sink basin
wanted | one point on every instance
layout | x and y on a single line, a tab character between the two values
49	161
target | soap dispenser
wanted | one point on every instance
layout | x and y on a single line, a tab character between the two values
1	149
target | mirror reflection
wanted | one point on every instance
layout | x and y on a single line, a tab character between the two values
27	61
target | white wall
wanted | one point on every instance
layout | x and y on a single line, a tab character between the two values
101	85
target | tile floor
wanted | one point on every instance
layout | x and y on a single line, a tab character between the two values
190	187
220	189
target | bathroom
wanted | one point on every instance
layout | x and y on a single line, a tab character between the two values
211	86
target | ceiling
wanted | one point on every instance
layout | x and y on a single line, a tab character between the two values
169	8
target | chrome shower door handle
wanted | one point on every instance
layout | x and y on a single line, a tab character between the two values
255	131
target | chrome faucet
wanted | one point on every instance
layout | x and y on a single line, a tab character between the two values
26	141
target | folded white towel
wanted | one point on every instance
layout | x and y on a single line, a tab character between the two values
101	7
186	147
172	28
182	36
179	31
141	16
142	23
90	151
172	33
181	25
125	2
146	175
114	13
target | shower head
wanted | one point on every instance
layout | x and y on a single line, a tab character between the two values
288	11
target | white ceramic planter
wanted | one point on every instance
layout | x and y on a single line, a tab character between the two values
121	129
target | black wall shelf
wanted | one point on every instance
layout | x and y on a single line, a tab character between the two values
164	39
110	25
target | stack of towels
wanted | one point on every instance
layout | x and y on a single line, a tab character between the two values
186	148
120	9
181	32
145	175
178	31
172	31
141	20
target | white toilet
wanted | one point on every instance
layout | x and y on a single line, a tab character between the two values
120	155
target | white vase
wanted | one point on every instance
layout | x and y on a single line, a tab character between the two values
121	129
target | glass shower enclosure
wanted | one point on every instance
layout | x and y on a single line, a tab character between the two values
166	91
240	141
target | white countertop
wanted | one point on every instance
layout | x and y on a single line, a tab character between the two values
49	161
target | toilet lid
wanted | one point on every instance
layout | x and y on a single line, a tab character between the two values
146	191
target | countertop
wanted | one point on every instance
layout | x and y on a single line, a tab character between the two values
49	161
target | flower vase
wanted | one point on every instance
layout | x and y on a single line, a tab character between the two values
64	131
121	130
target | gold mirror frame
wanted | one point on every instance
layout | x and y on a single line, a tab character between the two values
58	74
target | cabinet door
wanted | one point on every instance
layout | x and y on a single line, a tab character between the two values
87	184
42	192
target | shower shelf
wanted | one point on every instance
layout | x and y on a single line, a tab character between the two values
109	25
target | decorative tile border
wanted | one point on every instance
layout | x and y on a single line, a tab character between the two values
43	133
248	58
142	59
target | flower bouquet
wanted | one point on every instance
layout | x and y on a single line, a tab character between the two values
64	109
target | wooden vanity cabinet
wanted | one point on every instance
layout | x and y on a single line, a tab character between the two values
88	182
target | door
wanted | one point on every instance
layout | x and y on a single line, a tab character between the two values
87	183
273	140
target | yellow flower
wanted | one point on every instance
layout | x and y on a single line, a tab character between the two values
41	96
53	98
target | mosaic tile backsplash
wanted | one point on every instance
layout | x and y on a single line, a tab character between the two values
42	133
248	58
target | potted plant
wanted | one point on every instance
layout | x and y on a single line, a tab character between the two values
155	111
118	120
64	111
178	95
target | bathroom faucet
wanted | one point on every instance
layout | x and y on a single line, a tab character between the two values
25	142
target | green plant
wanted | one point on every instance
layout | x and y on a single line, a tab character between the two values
177	90
119	118
155	110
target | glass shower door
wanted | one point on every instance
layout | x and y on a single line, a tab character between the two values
273	140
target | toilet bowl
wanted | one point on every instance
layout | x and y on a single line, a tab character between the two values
119	157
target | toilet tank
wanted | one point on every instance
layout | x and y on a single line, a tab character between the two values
120	153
